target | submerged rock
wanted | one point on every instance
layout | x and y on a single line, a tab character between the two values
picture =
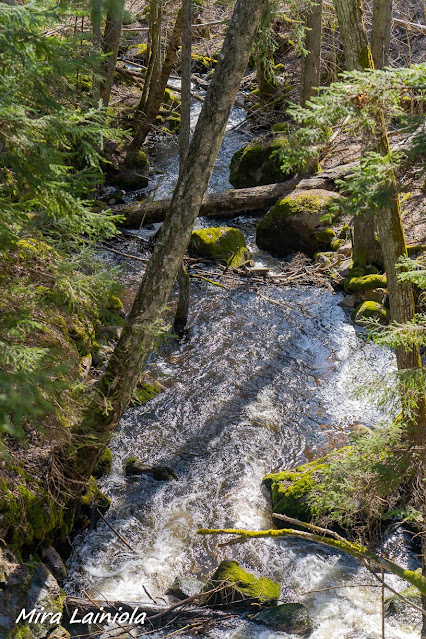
292	618
240	587
226	245
401	611
294	223
134	466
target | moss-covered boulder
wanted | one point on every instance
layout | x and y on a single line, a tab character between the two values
292	618
171	98
326	236
225	245
137	160
401	611
290	489
365	282
92	496
145	391
260	163
104	464
370	311
202	63
240	585
293	223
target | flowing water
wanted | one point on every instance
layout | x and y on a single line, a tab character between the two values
254	387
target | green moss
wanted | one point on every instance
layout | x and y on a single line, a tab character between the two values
93	495
226	245
171	98
201	63
290	489
104	464
114	303
138	51
326	236
137	160
260	589
365	282
412	249
173	124
280	127
144	392
370	310
336	244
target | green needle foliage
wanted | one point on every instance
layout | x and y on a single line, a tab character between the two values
53	291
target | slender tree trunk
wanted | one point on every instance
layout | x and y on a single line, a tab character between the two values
381	32
156	93
311	63
96	14
117	384
110	45
154	60
183	279
358	57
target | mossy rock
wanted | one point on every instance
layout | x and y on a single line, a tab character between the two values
138	51
368	311
292	618
137	160
144	392
93	496
337	243
412	249
365	282
171	98
202	63
29	516
241	586
225	245
397	609
280	127
290	489
293	223
326	236
104	464
131	180
173	124
259	163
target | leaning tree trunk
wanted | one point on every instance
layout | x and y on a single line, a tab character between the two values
117	384
358	57
381	32
311	63
110	45
156	93
183	279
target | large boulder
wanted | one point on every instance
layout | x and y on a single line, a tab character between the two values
27	587
225	245
290	489
260	163
294	223
238	585
292	618
370	311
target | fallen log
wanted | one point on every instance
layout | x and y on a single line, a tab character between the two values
233	202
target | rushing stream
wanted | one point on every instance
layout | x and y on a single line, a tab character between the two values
254	387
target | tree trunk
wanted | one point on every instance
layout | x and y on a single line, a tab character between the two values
311	63
117	384
95	14
354	35
154	60
183	279
234	201
156	93
366	249
110	45
381	32
358	57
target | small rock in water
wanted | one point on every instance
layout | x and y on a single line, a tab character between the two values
184	587
292	618
134	466
349	302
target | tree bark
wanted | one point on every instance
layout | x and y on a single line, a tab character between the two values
311	63
95	15
366	249
156	93
234	201
350	16
110	45
183	279
115	388
381	32
154	59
